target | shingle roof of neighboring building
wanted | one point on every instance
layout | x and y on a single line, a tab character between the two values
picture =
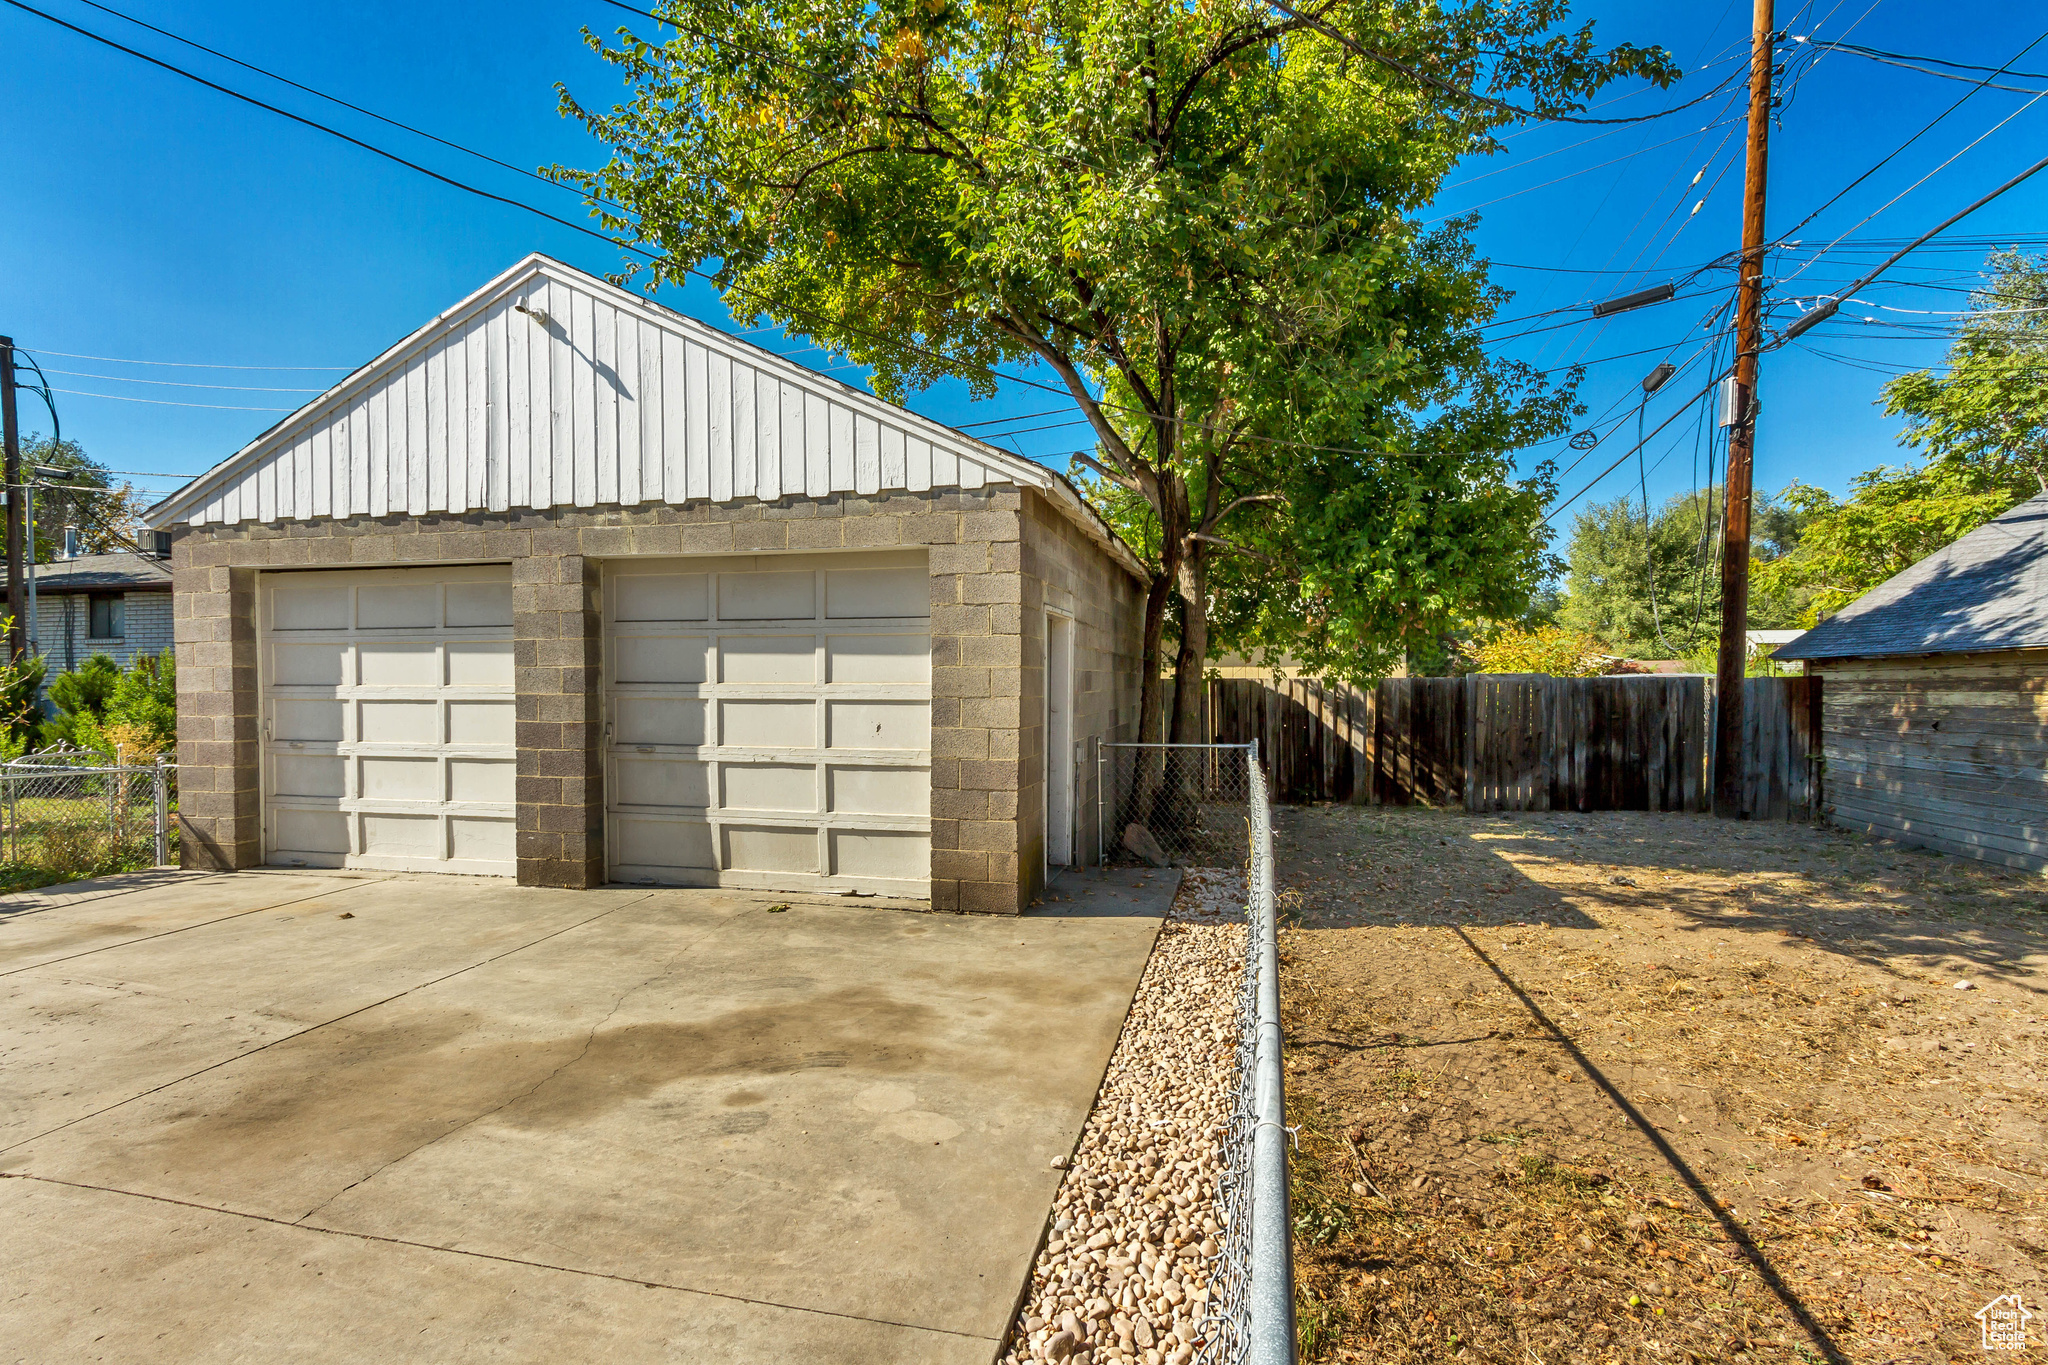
124	571
1988	591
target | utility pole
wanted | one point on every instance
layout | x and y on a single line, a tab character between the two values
1749	336
10	431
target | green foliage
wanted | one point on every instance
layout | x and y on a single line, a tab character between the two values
20	717
1616	563
1546	649
81	692
1983	426
139	719
1196	219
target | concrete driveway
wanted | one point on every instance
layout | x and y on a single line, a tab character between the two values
355	1117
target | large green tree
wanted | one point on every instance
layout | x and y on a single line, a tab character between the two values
1982	426
1196	217
1650	589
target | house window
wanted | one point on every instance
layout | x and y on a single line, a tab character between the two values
109	617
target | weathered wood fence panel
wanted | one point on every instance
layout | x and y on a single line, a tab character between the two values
1525	742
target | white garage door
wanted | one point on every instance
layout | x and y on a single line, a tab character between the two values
769	722
387	719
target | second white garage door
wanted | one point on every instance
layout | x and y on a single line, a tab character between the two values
769	722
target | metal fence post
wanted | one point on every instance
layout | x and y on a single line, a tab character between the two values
1101	791
1272	1338
161	797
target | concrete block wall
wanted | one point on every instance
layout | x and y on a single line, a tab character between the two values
1068	573
985	851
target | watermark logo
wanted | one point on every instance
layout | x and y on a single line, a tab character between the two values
2004	1321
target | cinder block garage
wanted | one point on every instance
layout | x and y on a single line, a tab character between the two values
568	587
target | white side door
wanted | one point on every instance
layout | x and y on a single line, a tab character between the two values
768	722
387	719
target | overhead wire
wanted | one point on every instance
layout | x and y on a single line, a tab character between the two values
953	364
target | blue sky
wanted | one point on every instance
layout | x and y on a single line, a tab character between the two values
151	219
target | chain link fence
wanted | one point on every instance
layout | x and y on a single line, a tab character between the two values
1251	1306
1174	805
66	814
1207	805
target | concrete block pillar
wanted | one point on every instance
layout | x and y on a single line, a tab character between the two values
557	618
220	801
979	862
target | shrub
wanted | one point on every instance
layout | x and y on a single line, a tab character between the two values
1547	649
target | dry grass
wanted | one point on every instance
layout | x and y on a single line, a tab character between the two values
1620	1087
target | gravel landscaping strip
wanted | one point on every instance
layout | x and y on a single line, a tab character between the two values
1124	1275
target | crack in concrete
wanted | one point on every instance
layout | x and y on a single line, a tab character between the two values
618	1003
490	1256
183	928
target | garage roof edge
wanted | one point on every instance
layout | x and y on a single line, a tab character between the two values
179	505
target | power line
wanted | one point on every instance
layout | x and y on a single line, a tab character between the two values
185	364
177	384
1923	131
953	363
334	99
167	403
1423	77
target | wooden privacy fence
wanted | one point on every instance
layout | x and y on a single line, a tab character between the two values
1525	742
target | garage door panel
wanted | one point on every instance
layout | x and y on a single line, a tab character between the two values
480	663
768	659
661	781
879	658
309	775
879	791
400	606
399	721
773	596
488	780
398	663
769	786
480	604
771	848
403	680
661	597
296	830
481	723
309	605
768	724
308	720
661	658
644	841
880	724
400	779
866	853
402	836
800	701
855	594
475	839
660	720
322	663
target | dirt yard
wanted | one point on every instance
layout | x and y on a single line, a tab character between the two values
1655	1087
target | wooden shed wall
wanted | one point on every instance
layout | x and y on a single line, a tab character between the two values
1947	752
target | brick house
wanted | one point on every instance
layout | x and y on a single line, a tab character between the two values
568	587
114	604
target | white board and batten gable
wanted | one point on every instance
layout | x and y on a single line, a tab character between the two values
551	388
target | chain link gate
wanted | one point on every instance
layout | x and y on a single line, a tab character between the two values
65	813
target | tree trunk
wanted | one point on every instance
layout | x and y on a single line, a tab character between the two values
1188	683
1151	714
